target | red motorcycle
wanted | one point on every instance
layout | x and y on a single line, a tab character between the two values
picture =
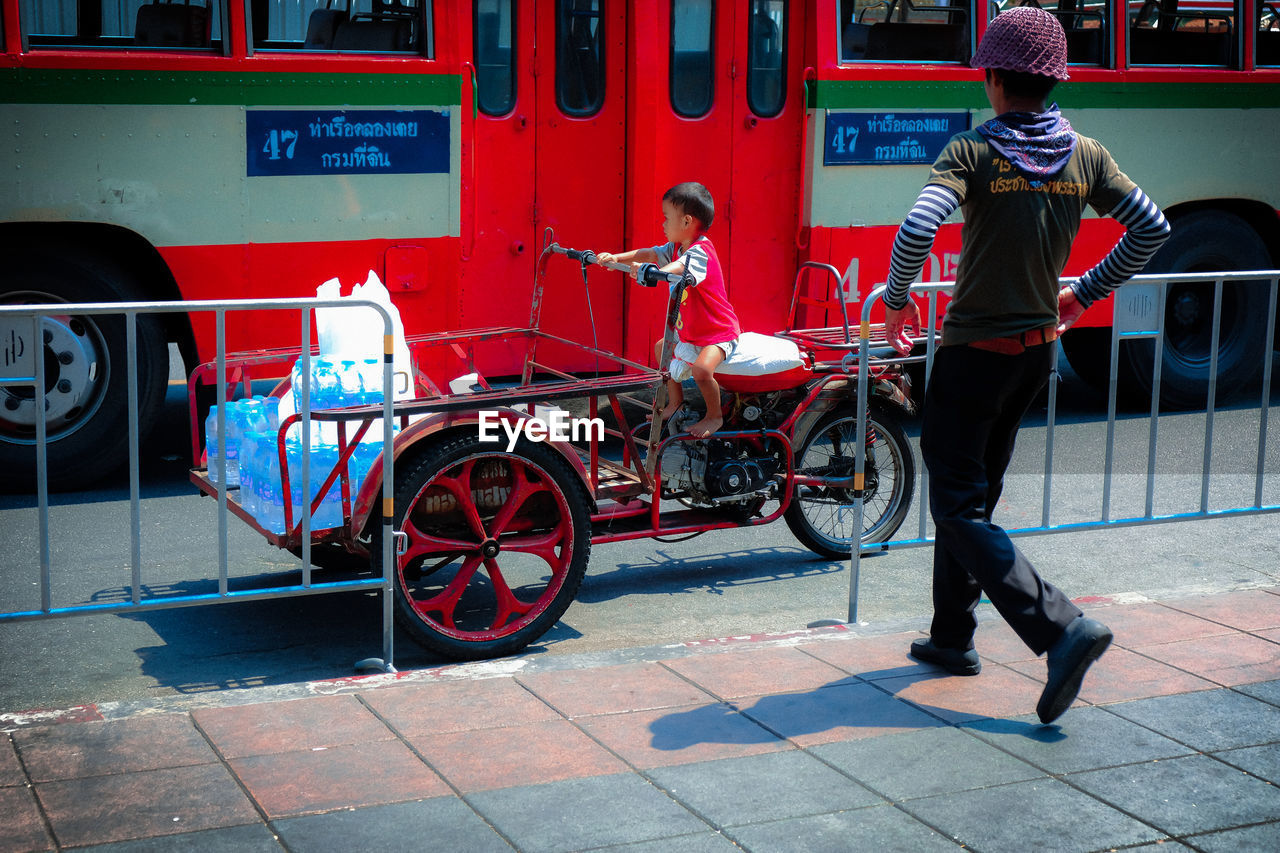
494	519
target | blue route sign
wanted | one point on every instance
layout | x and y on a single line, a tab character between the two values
856	138
346	142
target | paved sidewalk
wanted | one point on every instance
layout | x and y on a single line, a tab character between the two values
830	739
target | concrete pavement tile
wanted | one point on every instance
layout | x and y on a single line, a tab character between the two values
1207	721
612	689
842	712
126	806
292	726
1228	660
1245	610
1081	739
702	842
883	829
1185	795
662	737
1044	814
1121	675
582	813
1261	761
444	823
926	763
730	675
1249	839
249	838
1267	691
458	706
366	774
761	788
22	827
115	746
10	770
529	754
869	658
1148	624
997	692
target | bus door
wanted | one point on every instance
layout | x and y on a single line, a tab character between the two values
549	152
765	138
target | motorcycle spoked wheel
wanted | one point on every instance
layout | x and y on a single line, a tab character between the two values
820	517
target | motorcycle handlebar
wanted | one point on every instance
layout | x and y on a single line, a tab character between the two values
646	274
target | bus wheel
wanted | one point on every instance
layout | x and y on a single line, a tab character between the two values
496	546
1204	241
86	393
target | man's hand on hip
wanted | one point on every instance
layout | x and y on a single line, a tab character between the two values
896	322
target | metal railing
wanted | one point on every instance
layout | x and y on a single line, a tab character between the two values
33	376
1138	314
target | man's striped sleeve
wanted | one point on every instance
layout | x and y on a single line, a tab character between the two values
915	238
1146	231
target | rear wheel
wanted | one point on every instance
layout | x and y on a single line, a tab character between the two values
821	518
497	545
85	397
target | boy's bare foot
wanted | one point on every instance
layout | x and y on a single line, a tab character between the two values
706	426
669	410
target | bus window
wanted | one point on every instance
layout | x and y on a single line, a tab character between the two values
194	24
1267	45
766	71
1202	32
692	85
362	26
904	30
1083	21
580	57
495	56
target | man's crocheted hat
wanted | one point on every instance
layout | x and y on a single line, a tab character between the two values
1027	39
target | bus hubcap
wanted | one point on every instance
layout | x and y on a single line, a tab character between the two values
73	368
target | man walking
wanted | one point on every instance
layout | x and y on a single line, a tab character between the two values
1022	181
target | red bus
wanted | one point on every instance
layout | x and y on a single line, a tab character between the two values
187	149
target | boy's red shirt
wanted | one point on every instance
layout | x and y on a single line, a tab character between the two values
706	317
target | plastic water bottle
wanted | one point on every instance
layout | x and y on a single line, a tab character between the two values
325	393
270	495
248	472
371	382
350	392
324	458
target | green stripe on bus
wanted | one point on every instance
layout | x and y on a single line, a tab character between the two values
963	94
62	86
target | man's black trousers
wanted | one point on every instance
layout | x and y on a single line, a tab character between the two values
974	403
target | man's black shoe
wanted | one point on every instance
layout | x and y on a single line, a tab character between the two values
954	661
1082	643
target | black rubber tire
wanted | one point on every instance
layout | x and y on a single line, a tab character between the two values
884	509
1203	241
89	438
416	579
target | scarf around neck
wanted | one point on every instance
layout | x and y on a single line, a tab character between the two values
1038	144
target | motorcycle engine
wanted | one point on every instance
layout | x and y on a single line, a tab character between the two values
715	471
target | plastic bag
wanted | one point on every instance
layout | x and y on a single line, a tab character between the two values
356	333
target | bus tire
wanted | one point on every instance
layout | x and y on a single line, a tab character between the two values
1203	241
496	545
86	374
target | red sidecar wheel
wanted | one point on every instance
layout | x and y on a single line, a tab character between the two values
497	546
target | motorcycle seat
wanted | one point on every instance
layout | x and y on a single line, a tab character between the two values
759	363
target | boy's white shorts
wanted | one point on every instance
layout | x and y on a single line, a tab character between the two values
686	354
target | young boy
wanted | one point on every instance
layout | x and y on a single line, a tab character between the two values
708	328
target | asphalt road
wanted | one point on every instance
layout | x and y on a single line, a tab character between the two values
636	594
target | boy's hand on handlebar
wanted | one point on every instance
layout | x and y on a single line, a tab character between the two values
896	322
605	258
